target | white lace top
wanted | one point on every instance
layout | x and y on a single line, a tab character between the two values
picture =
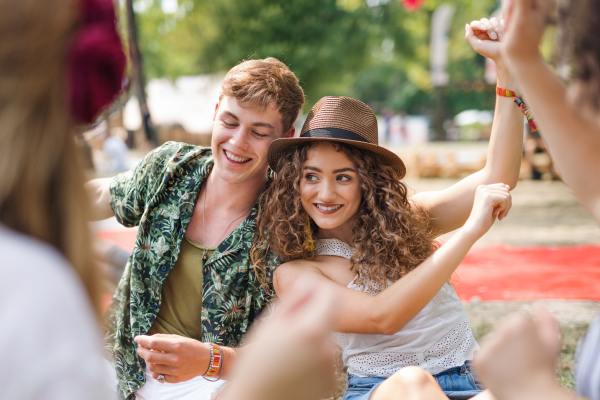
438	338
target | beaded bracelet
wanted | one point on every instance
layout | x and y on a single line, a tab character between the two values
217	357
528	115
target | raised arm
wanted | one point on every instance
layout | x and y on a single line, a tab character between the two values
449	208
573	142
99	194
392	309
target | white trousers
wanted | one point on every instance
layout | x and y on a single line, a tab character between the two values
196	388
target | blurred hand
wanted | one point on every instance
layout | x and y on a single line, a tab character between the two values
526	22
291	355
484	36
491	201
176	357
518	361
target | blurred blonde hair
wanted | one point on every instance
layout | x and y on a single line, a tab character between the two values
41	189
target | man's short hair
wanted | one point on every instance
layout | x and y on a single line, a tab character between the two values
263	83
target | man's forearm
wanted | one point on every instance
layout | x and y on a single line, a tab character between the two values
99	195
573	142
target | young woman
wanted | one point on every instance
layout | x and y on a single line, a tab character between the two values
338	215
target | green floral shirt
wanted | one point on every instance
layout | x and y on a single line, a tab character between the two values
159	196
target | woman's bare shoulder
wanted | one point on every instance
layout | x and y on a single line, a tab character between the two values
298	268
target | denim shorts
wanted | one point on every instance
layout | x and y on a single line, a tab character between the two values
457	383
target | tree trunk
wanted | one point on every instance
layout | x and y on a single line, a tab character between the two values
139	85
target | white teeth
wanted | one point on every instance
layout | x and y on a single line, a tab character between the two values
234	158
328	208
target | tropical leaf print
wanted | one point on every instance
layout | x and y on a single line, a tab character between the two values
159	197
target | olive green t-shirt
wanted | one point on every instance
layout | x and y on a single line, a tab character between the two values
181	306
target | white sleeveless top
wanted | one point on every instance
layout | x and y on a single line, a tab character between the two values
437	339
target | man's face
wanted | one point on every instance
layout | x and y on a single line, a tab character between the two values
241	138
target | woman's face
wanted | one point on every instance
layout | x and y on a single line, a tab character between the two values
330	187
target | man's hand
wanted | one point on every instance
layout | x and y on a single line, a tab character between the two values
526	21
519	360
176	357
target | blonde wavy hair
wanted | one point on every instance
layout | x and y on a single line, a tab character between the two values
391	236
41	190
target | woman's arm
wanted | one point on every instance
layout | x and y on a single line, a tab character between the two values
392	309
449	208
573	142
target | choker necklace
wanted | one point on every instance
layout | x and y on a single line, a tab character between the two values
204	256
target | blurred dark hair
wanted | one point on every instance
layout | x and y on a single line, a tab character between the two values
579	45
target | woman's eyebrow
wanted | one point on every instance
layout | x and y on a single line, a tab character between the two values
337	171
312	168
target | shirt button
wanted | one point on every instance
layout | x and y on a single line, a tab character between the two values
154	306
140	378
163	268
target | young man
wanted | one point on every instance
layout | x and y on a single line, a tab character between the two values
195	207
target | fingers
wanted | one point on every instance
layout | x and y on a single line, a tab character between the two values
155	357
496	196
547	328
167	378
498	29
157	342
471	37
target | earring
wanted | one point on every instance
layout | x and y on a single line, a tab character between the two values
309	243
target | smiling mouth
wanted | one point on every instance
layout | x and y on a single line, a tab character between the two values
328	209
235	159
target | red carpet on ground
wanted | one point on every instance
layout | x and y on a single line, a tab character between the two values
500	272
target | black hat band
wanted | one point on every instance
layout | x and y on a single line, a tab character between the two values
334	133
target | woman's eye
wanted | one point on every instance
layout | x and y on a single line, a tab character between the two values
310	177
343	178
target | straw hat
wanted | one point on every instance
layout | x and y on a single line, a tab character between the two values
339	119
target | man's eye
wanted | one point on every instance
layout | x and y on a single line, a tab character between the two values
260	135
228	124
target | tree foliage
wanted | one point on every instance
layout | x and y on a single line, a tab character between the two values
374	50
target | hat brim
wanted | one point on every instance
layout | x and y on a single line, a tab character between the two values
279	147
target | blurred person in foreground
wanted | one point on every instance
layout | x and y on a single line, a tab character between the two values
189	291
61	62
519	361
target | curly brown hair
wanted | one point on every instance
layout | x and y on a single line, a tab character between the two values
578	22
391	236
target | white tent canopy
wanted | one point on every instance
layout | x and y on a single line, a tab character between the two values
189	101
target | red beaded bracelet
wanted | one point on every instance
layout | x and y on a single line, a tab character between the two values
509	93
527	113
